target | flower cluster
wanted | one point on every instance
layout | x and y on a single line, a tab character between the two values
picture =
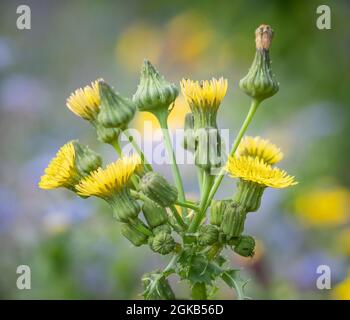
131	186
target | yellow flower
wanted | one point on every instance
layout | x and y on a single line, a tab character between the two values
324	207
104	183
61	171
342	290
205	95
261	148
255	170
85	102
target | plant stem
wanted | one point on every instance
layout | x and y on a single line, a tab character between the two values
207	184
162	118
187	205
117	148
169	268
138	150
199	291
253	107
178	217
200	179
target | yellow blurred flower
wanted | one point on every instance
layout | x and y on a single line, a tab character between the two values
342	290
324	208
189	35
175	119
136	43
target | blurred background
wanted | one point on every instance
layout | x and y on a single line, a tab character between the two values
73	246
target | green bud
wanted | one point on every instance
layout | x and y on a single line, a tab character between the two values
154	93
208	235
156	287
115	111
106	135
208	148
86	160
189	142
217	210
154	214
260	83
245	246
163	243
158	189
249	195
162	228
125	207
136	237
233	222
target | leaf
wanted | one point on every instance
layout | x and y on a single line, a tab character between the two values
156	287
233	279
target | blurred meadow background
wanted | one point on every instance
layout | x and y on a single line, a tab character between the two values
73	246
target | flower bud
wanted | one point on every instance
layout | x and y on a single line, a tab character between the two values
162	228
260	83
249	195
208	235
154	93
136	237
245	246
158	189
189	142
106	135
233	222
208	148
115	111
125	207
217	210
86	160
163	243
154	214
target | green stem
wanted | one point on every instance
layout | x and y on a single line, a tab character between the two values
178	217
170	267
200	179
207	184
141	228
131	139
253	107
187	205
199	291
117	148
162	117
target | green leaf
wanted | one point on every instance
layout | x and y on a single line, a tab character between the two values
233	279
156	287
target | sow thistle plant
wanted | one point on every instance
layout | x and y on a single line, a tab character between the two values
194	234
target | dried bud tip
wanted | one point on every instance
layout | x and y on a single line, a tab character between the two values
263	37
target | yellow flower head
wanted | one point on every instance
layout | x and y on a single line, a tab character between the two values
342	290
85	102
260	148
204	95
104	183
61	171
255	170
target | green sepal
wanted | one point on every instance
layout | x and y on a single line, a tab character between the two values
208	235
189	142
249	195
106	135
154	93
115	111
208	148
154	214
157	188
245	246
86	160
125	207
234	219
260	82
217	210
136	237
162	243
